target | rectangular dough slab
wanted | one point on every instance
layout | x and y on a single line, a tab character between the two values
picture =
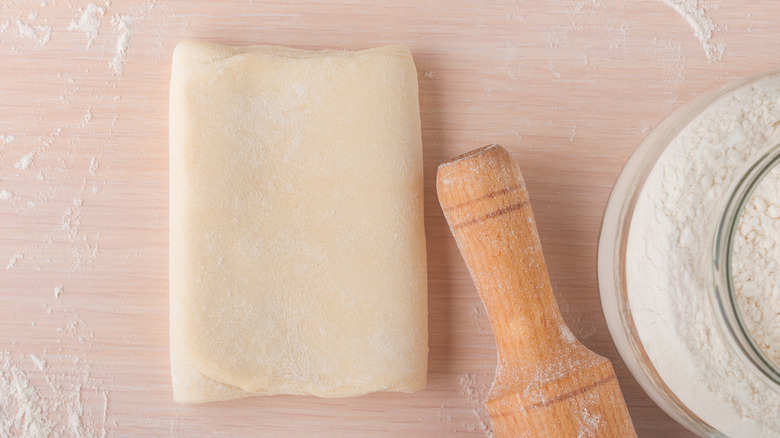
297	247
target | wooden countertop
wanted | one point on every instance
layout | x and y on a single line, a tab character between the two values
569	87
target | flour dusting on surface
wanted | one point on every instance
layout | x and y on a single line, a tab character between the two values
39	362
26	31
474	388
26	161
89	22
6	139
58	391
701	24
42	34
123	25
21	413
12	261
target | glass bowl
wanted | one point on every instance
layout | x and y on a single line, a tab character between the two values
616	226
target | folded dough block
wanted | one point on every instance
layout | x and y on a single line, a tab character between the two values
297	247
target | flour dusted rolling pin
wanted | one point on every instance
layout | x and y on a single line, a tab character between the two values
547	383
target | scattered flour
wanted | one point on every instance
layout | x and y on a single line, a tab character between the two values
87	117
12	261
123	25
5	140
58	389
668	243
58	394
701	24
25	30
89	22
42	34
46	35
39	363
93	166
26	161
756	265
21	413
474	389
589	424
468	386
75	414
71	219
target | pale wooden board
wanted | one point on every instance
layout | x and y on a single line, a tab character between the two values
569	87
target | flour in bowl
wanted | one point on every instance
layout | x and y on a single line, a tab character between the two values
756	265
667	280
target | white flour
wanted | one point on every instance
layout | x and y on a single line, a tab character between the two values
668	244
42	34
20	407
756	265
55	392
89	22
6	139
467	411
26	161
12	261
124	25
25	30
701	24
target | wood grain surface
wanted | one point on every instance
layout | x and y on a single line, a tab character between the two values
569	87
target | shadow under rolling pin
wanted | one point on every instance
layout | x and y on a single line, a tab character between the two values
547	383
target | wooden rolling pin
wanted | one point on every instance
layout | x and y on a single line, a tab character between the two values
547	383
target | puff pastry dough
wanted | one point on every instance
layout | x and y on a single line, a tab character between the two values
297	247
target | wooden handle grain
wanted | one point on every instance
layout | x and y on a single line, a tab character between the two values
547	383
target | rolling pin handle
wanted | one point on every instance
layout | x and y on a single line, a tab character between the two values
547	384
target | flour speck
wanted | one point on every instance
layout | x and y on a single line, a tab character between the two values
89	22
124	25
